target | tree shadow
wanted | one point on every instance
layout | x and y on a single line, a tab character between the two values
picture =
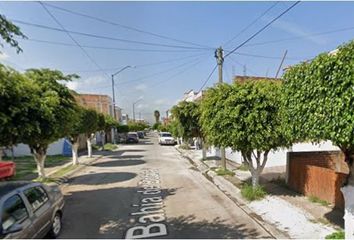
133	150
102	178
126	157
101	213
107	213
190	227
119	163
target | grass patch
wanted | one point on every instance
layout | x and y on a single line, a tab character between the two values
110	147
26	165
243	167
95	147
58	174
223	172
184	146
251	194
315	199
336	235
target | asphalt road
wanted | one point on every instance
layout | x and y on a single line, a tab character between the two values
147	190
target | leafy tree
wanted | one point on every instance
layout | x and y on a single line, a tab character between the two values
136	126
85	122
156	126
123	128
175	128
17	102
157	116
8	31
318	105
91	122
54	115
188	114
245	117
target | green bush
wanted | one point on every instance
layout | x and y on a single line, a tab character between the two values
110	147
243	167
315	199
251	194
223	172
336	235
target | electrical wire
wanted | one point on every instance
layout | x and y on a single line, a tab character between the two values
103	37
125	26
301	37
262	29
251	24
74	40
208	78
111	48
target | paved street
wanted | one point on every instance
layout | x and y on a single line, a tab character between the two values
114	194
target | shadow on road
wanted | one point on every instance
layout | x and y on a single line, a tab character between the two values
119	163
189	227
125	156
102	178
101	213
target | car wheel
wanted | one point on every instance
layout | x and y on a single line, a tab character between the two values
56	226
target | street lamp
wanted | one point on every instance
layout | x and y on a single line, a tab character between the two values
134	107
114	99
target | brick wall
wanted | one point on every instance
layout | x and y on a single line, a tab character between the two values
319	174
100	103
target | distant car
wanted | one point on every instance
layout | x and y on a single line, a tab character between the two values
30	210
141	134
132	137
165	138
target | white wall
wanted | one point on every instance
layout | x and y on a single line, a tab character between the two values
278	158
23	149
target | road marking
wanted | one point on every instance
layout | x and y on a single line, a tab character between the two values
150	214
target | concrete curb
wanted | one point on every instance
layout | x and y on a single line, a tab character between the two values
234	193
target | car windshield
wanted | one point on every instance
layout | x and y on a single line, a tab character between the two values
166	135
132	135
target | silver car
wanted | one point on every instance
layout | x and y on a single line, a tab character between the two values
30	210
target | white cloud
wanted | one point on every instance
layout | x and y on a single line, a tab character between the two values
3	56
141	87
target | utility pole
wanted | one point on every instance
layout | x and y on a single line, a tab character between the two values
219	55
167	113
139	116
281	63
244	70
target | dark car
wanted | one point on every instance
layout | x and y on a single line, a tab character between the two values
141	134
30	210
132	137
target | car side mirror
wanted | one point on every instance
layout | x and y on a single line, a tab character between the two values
13	229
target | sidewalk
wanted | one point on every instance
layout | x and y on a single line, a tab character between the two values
289	213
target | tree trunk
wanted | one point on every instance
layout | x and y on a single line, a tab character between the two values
255	178
89	147
204	149
1	153
348	194
74	148
223	158
39	154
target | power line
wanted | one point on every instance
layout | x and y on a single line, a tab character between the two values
266	57
300	37
252	23
111	48
104	37
124	26
142	65
73	39
208	78
262	29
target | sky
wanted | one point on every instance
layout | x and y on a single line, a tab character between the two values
170	44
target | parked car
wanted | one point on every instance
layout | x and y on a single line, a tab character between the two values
30	210
7	170
132	137
141	134
165	138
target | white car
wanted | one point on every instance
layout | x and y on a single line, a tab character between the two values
165	138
